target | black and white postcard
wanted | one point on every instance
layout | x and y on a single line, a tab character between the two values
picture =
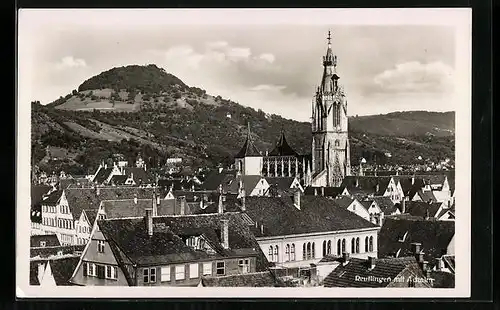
244	153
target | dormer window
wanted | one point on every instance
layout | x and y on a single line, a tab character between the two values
403	238
43	244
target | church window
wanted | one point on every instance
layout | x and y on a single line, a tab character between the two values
366	244
287	253
313	253
304	252
343	246
271	257
357	245
329	247
276	257
353	245
370	245
292	252
324	248
339	247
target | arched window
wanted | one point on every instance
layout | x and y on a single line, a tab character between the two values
308	255
287	253
343	245
304	252
370	246
329	247
339	248
366	244
324	248
276	256
357	245
292	252
271	257
353	245
313	251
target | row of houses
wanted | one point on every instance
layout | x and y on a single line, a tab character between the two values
287	233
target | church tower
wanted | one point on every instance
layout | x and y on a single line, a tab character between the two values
330	145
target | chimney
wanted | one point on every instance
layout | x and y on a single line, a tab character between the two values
313	273
296	199
154	205
357	183
322	191
225	234
158	200
221	205
41	271
183	205
243	204
427	213
424	265
97	190
420	257
415	247
371	262
412	179
428	275
403	205
345	258
149	221
135	198
220	169
261	229
377	188
315	191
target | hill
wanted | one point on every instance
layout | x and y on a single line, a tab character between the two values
171	119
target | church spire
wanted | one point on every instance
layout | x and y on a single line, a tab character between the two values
248	148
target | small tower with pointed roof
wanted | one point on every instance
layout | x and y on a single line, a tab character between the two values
330	145
248	161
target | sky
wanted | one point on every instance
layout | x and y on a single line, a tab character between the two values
258	59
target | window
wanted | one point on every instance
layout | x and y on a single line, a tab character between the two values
271	256
149	275
276	256
287	253
145	275
193	271
180	272
111	272
244	265
308	251
329	247
339	247
207	269
220	268
357	245
292	252
43	244
343	245
313	251
366	244
100	246
353	245
89	269
304	252
324	248
165	274
370	246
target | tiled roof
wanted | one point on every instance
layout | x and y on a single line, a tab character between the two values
248	149
167	246
126	207
87	198
102	175
91	215
50	240
434	237
366	184
343	201
283	183
230	204
55	251
62	269
427	196
449	262
249	183
196	196
329	258
346	275
443	279
52	198
423	209
366	203
140	175
409	188
318	214
214	179
329	191
118	179
257	279
385	204
282	148
37	193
